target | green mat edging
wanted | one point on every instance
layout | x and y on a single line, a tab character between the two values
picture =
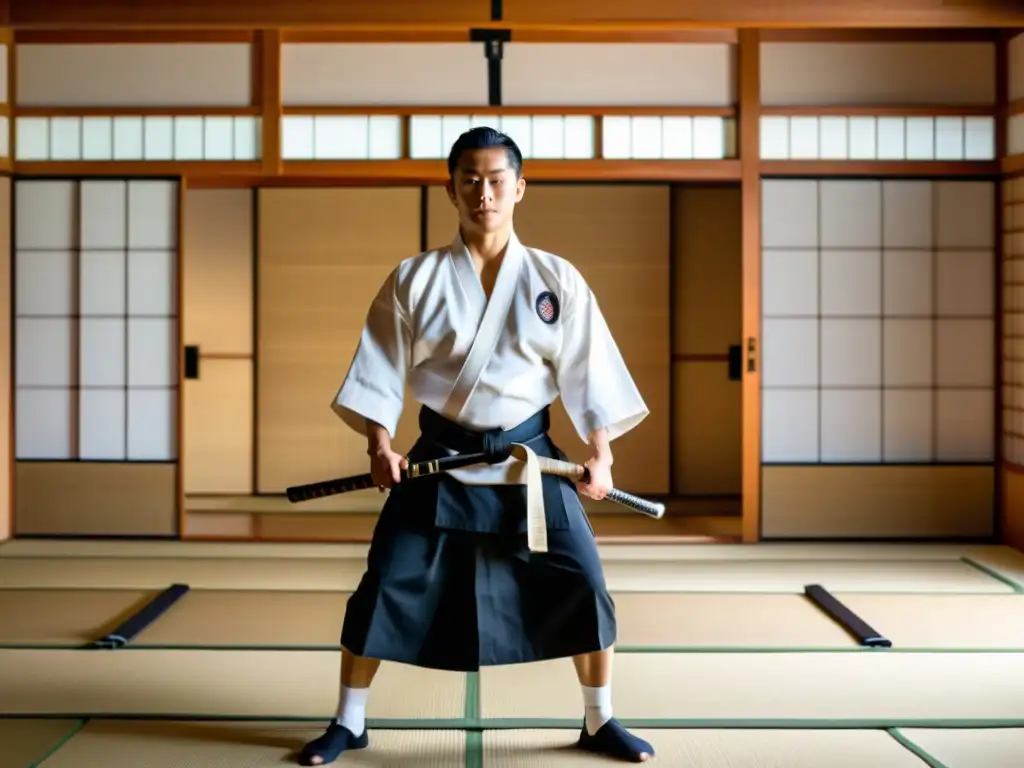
916	749
56	746
995	574
484	724
626	649
474	739
474	749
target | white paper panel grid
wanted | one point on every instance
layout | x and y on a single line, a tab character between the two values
150	138
877	298
646	137
152	419
102	433
43	424
552	137
793	137
96	320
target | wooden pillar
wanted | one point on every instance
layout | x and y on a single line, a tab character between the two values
267	95
750	186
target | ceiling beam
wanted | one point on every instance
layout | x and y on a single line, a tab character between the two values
519	14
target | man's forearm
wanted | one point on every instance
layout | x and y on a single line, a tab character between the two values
377	437
600	446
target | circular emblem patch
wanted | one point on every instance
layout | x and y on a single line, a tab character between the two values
547	307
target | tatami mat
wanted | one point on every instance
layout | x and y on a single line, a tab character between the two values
157	573
317	574
24	742
250	619
263	684
804	686
724	620
253	619
944	576
708	749
177	549
280	619
243	745
943	621
64	617
971	748
769	550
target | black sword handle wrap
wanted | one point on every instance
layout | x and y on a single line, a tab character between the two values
333	487
298	493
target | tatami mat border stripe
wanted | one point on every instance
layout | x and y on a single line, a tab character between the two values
995	574
907	743
619	649
55	747
474	739
626	649
495	724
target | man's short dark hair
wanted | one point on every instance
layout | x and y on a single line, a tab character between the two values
483	137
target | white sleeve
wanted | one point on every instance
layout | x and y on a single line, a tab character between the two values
595	385
374	387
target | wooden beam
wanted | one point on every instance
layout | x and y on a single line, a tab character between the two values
436	172
267	95
883	35
889	110
877	168
397	109
749	56
56	14
137	36
779	13
608	14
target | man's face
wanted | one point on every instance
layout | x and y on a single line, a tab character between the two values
485	190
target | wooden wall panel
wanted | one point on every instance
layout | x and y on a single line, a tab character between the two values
1012	358
1015	80
874	74
252	13
80	498
405	74
5	358
779	13
875	501
618	237
707	320
218	427
1013	505
134	75
323	255
218	271
218	319
619	74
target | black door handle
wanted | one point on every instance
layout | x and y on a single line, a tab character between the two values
735	362
191	362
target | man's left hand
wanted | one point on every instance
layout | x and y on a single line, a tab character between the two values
600	471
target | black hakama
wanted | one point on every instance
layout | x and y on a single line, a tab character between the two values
450	582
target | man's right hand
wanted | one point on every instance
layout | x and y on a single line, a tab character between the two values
386	467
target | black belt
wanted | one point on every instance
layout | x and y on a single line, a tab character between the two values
496	443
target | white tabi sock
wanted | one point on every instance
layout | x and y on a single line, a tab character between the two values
352	709
598	702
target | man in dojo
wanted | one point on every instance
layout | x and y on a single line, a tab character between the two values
489	564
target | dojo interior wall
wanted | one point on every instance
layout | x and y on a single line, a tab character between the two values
242	425
96	356
316	245
878	306
1013	309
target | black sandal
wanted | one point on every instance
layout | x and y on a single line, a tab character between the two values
329	746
